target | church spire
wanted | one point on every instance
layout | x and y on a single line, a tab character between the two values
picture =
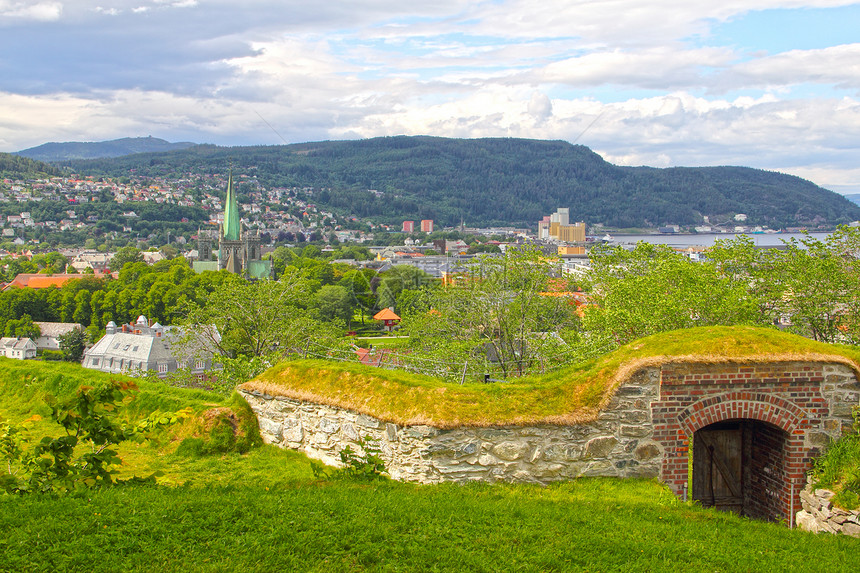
231	230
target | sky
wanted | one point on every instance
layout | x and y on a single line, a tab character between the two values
771	84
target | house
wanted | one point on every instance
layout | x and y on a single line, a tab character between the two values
18	348
51	333
388	317
144	346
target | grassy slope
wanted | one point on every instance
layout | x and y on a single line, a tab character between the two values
264	511
565	396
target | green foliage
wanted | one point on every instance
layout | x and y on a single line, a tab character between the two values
22	328
364	465
56	464
73	344
602	525
504	181
653	288
124	256
838	469
495	316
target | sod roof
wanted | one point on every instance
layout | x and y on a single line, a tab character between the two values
571	395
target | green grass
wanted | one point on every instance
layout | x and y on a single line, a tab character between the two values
264	511
569	395
587	525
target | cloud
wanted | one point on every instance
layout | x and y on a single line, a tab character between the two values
25	11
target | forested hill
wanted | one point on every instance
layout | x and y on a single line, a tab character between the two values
92	150
504	182
16	167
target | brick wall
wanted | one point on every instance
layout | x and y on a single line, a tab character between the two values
800	405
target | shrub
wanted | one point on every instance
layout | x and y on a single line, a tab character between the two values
84	456
838	468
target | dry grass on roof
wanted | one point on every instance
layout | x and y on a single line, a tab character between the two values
567	396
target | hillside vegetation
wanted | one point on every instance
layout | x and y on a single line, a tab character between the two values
264	511
503	182
56	152
16	167
567	396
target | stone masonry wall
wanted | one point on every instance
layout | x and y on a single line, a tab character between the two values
819	515
619	443
645	430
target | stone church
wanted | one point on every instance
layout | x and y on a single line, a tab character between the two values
238	249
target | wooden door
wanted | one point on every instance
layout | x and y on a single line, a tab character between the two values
718	467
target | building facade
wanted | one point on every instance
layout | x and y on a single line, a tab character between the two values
239	250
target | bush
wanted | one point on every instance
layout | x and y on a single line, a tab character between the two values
838	469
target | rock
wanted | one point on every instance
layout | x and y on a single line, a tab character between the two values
271	428
600	447
851	529
510	451
328	425
368	422
806	522
636	431
391	432
647	451
293	431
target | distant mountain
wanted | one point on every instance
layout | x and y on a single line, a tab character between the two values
54	152
487	182
17	167
855	198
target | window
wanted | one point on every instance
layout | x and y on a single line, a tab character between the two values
115	346
162	367
95	362
199	365
135	348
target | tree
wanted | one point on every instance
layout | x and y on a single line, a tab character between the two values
125	255
333	302
23	328
264	318
72	344
497	314
653	288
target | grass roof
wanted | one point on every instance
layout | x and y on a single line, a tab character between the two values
566	396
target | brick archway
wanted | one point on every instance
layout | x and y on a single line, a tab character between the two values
784	396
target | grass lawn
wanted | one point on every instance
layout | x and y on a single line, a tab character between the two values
265	511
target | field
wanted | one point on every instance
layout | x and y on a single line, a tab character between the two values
266	511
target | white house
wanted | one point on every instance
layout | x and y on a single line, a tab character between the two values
18	348
51	332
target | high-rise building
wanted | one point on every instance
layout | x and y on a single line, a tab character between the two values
408	226
557	226
427	226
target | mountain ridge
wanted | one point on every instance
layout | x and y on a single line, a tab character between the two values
503	181
72	150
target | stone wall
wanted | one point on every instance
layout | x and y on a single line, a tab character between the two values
645	430
619	443
819	515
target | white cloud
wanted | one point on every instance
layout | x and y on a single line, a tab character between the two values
39	11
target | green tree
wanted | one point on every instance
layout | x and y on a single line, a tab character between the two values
333	302
124	256
653	288
73	344
496	315
264	318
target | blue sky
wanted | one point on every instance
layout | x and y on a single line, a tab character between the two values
773	84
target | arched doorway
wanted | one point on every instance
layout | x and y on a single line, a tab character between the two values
741	465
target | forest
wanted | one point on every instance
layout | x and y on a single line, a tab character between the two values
509	182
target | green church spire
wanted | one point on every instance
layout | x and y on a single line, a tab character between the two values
231	230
